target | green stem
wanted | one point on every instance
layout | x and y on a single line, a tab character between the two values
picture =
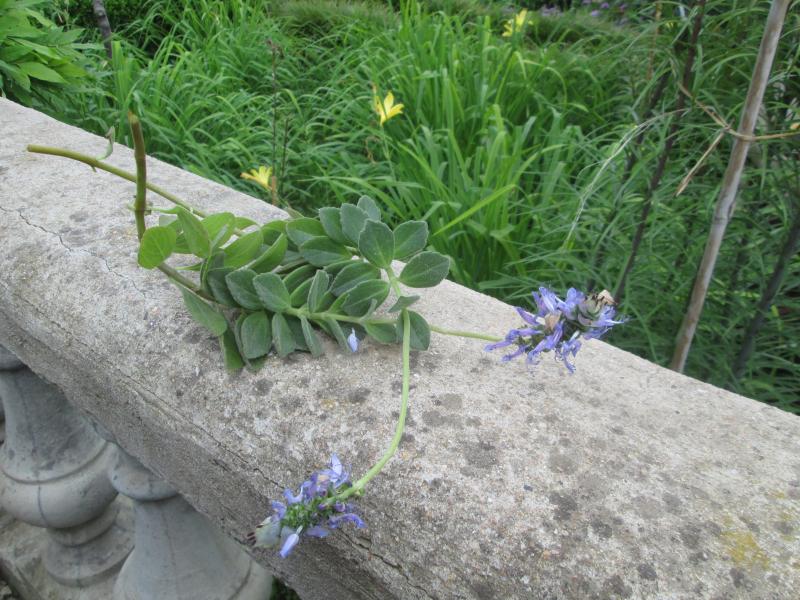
466	334
122	173
183	281
98	164
359	485
139	154
321	316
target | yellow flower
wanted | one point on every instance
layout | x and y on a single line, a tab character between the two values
386	109
515	24
262	176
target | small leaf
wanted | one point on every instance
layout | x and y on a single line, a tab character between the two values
376	244
426	269
230	352
321	251
240	284
302	230
256	335
181	247
373	306
311	338
272	292
298	276
336	307
317	291
360	297
243	250
272	230
385	333
213	262
204	313
271	257
420	332
244	223
282	335
300	295
403	302
255	364
352	219
368	205
335	331
218	287
219	228
195	234
409	238
297	332
156	246
331	223
333	269
110	135
352	275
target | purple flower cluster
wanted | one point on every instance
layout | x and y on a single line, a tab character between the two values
559	325
313	511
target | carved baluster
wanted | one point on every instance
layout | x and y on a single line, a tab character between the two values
178	554
8	362
54	474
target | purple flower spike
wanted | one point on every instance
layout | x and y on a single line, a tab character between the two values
311	512
559	325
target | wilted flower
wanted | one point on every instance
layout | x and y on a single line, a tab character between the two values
515	24
313	511
262	177
386	109
559	325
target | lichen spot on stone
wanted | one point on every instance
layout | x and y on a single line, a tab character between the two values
744	550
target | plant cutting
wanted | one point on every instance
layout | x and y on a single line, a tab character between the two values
274	288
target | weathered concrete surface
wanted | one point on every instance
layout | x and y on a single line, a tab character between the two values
624	480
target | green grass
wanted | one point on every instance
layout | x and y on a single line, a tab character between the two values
514	151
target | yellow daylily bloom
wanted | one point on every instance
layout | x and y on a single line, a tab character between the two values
516	23
262	176
387	108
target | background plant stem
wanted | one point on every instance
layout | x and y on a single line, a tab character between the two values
726	202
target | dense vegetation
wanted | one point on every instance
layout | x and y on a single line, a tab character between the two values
532	157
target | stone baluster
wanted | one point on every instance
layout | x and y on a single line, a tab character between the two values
8	362
178	554
54	474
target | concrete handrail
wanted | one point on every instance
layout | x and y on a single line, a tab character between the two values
624	480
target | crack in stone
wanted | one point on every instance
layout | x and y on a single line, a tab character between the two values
56	234
394	566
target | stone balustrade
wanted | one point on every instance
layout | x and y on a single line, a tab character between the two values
625	480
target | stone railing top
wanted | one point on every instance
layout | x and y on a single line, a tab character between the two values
624	480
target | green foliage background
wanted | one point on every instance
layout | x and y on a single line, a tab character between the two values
37	56
513	151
